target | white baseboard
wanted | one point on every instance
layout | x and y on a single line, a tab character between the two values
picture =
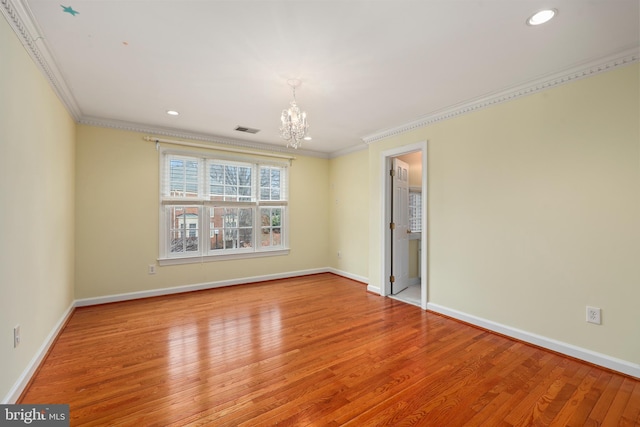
351	276
33	365
373	289
609	362
196	287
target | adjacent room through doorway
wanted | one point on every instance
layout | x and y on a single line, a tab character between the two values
405	225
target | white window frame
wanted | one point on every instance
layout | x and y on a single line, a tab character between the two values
203	203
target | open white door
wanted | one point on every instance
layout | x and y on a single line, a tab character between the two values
400	227
391	260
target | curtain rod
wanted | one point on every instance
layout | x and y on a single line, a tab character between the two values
210	147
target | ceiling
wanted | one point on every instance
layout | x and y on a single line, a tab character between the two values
365	66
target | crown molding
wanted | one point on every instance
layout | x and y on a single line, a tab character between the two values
21	20
193	136
625	57
348	150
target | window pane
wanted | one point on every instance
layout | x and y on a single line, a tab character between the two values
244	194
176	176
271	230
215	228
275	178
246	218
183	177
231	238
265	238
264	177
191	181
415	211
216	191
244	176
271	183
246	237
230	228
276	237
183	231
216	174
231	175
276	213
231	190
265	218
230	182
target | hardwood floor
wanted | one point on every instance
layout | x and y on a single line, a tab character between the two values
315	350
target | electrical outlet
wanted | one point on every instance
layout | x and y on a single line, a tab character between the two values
16	336
152	269
594	315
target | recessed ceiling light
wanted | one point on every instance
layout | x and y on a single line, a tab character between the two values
172	113
542	17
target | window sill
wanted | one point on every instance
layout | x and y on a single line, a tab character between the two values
224	257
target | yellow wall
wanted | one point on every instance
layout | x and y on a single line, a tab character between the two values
117	220
534	212
348	216
36	208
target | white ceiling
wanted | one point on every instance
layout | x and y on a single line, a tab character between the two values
365	66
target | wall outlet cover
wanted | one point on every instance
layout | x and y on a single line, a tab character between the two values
594	315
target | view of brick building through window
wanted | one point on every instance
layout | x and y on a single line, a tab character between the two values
219	190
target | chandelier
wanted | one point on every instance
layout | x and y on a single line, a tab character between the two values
294	122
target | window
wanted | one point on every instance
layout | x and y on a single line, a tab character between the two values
415	211
220	208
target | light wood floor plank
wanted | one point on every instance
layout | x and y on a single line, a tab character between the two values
312	351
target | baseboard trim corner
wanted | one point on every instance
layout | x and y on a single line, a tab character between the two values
373	289
348	275
22	382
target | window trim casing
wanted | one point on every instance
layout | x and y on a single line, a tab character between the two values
203	204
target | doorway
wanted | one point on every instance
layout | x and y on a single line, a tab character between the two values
404	224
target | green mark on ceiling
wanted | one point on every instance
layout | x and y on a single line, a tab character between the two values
69	10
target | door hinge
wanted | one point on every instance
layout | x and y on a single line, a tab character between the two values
392	172
392	279
392	225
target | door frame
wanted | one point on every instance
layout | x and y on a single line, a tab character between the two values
385	166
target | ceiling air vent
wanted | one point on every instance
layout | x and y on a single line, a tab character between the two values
247	130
